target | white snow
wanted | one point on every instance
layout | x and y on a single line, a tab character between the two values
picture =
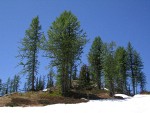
45	90
106	89
123	96
136	104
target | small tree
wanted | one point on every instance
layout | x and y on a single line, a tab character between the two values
16	82
8	83
40	83
84	78
50	76
142	81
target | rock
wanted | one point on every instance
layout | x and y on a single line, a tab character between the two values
106	89
84	99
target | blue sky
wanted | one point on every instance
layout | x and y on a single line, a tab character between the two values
114	20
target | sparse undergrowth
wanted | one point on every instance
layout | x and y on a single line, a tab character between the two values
45	98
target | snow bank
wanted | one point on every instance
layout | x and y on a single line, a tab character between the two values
122	95
137	104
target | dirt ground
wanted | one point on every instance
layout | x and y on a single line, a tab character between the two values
45	98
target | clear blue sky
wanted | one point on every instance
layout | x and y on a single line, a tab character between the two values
114	20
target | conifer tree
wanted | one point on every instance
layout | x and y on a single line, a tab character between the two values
84	78
95	58
8	85
65	45
16	83
142	81
50	76
109	67
137	67
130	51
40	83
121	69
28	52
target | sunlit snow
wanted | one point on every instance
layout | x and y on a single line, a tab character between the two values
123	96
136	104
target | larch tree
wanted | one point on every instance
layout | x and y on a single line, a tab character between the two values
130	51
65	44
109	67
95	58
121	70
137	68
28	52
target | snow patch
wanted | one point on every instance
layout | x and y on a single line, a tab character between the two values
137	104
122	95
45	90
106	89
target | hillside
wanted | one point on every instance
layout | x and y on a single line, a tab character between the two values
136	104
45	98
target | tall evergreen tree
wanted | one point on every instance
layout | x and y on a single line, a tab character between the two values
121	69
95	58
137	68
50	76
130	51
109	67
65	45
28	52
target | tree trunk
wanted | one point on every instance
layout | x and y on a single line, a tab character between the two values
33	70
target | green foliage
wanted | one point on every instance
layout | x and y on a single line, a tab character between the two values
135	66
65	45
109	67
50	82
15	83
28	52
142	81
95	58
40	83
10	86
84	78
121	70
